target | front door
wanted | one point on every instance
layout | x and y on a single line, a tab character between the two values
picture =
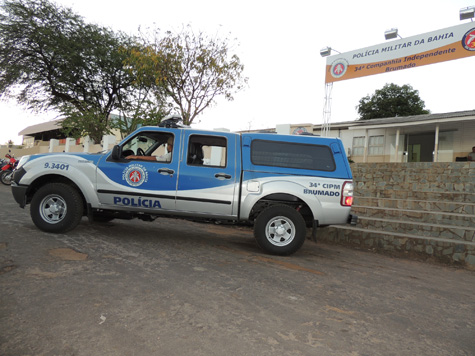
420	147
145	176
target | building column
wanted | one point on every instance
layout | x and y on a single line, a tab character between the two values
52	144
396	155
436	145
69	143
366	142
87	143
107	141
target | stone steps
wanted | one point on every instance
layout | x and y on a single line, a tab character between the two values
461	197
426	209
455	220
428	179
411	186
417	228
442	249
458	207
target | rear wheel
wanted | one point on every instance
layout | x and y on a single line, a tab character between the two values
56	207
280	230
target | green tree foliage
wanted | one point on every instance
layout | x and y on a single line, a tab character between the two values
189	69
146	102
51	58
391	101
139	109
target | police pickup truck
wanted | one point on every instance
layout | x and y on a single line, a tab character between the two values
281	184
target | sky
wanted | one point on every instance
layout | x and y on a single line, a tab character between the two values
279	45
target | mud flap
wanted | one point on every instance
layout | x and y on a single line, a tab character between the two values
89	215
314	230
352	219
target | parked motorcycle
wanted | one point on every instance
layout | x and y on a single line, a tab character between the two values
6	174
3	162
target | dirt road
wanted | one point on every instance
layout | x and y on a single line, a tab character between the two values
173	287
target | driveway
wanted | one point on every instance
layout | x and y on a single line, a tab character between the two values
173	287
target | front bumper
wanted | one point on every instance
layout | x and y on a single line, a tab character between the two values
19	193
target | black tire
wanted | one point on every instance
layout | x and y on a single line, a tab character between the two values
56	207
6	177
280	230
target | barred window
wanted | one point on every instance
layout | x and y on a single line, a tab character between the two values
358	146
376	145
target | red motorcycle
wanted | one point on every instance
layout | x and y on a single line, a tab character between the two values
6	175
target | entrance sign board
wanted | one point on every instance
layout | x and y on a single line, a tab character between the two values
416	51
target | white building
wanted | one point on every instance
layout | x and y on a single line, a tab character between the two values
444	137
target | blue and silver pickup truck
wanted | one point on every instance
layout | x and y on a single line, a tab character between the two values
281	184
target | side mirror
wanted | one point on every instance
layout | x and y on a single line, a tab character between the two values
116	152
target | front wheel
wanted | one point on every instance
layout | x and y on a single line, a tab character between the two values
6	177
56	207
280	230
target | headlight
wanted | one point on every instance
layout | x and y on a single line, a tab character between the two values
23	160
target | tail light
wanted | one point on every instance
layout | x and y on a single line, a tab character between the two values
347	194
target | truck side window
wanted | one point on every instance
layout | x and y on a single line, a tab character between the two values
207	151
150	146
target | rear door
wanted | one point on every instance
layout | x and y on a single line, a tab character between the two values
209	174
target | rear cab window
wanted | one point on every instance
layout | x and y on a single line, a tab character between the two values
292	155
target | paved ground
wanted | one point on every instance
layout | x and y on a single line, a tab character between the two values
173	287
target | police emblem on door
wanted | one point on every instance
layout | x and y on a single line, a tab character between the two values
135	175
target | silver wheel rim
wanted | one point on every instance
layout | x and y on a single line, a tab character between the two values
280	231
53	209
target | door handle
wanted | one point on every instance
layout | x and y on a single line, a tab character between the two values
222	176
166	171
